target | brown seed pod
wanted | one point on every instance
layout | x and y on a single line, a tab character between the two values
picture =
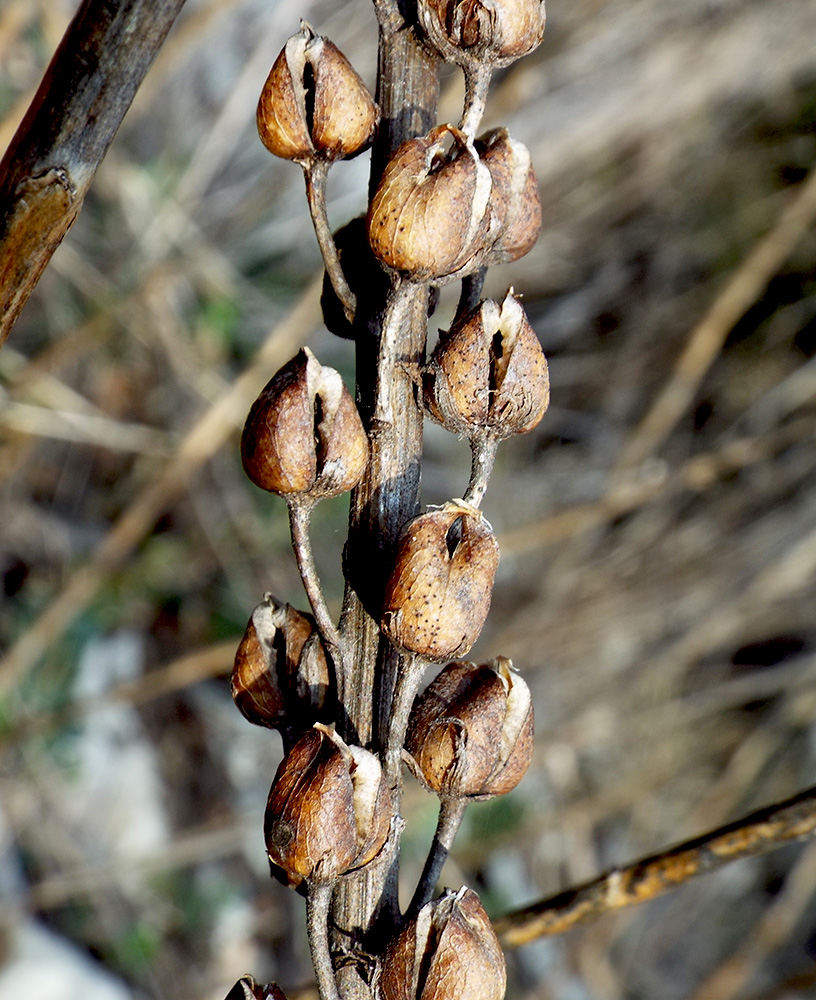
438	594
313	104
281	676
489	373
494	31
471	731
247	989
303	436
448	951
329	810
429	218
515	201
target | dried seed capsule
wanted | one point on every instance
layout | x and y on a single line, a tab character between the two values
438	594
329	810
313	104
247	989
471	730
448	951
488	374
303	435
430	218
515	200
281	676
495	31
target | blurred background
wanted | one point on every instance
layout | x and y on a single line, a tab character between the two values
658	529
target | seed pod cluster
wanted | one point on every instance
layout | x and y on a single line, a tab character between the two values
281	676
438	594
470	734
303	436
429	218
479	31
448	951
489	373
329	810
440	213
313	104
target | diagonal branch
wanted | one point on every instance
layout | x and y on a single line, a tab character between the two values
52	159
648	878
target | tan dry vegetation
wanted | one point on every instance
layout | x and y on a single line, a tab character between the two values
658	528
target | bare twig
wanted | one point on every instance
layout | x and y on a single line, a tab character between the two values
65	134
653	876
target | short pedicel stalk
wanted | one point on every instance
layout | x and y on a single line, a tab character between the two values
316	174
300	515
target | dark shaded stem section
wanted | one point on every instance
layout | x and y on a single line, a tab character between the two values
53	157
471	293
318	902
300	515
648	878
316	174
451	812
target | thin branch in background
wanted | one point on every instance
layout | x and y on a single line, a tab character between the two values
648	878
707	338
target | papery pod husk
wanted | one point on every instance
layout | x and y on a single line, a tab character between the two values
326	113
438	594
324	816
247	989
470	734
488	373
304	436
449	951
515	201
430	216
281	676
493	31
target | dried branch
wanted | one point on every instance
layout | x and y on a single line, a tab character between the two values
66	132
653	876
708	336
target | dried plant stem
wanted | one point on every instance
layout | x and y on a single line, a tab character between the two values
316	173
300	515
407	93
451	812
648	878
318	902
483	455
389	371
477	84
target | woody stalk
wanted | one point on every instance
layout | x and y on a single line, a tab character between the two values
446	202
